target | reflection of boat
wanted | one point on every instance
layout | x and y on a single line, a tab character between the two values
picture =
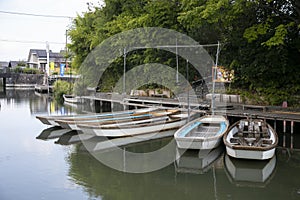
72	99
169	122
97	144
72	137
256	173
51	133
202	133
50	120
196	161
251	139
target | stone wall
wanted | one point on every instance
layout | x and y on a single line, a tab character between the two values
24	79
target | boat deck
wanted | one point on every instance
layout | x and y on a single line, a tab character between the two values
204	131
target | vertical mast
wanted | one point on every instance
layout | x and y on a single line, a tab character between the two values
176	63
124	72
214	79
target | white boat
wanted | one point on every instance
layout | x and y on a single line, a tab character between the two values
138	127
202	133
72	123
251	139
72	99
51	119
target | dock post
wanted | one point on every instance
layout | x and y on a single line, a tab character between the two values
292	127
284	126
4	85
112	106
283	140
292	141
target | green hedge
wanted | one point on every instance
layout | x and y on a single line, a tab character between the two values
26	70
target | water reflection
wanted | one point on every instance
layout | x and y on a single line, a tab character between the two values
197	161
250	173
40	168
52	133
209	175
102	181
222	179
73	137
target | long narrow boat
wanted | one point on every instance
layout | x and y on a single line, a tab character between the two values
153	125
72	123
72	99
251	139
50	119
202	133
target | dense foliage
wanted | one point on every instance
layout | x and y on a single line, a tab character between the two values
260	39
26	70
61	88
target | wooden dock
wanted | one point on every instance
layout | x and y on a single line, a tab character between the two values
230	110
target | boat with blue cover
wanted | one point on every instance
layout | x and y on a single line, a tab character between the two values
202	133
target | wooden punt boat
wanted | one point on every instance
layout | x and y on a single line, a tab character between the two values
202	133
72	99
132	128
50	119
72	123
251	139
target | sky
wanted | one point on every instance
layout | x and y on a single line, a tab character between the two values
20	33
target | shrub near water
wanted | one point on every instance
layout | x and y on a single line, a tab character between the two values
60	88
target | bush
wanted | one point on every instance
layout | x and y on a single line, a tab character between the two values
18	69
31	71
26	70
61	88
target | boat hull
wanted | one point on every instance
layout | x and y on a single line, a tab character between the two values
121	132
187	143
51	120
209	139
249	154
243	144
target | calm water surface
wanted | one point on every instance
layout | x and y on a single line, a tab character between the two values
49	167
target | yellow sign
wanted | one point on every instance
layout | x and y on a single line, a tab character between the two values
52	66
224	75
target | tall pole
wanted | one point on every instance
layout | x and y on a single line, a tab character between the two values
176	62
66	49
66	62
47	64
124	78
188	90
47	73
214	79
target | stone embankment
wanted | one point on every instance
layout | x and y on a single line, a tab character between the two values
24	80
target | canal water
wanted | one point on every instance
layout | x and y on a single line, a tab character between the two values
35	163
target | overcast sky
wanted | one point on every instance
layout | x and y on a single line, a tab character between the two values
16	30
